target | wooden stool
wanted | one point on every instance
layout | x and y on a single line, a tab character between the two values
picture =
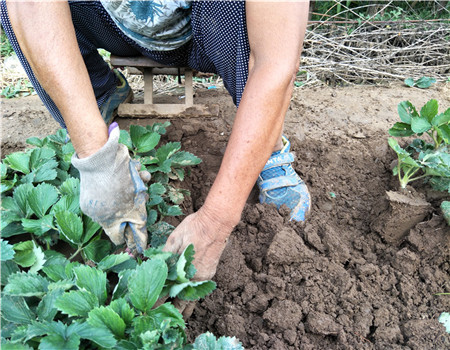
161	110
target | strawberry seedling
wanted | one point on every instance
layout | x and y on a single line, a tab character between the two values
423	157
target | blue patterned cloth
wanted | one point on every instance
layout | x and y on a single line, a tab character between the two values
158	25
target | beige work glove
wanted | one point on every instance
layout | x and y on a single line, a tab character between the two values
113	194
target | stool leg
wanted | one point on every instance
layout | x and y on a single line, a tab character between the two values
188	88
148	86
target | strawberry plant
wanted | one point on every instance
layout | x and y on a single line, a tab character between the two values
425	157
53	301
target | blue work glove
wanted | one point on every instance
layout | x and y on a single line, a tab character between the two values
113	194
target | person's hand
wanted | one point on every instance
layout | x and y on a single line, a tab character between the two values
209	238
113	194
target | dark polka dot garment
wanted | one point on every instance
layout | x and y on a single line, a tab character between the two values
219	45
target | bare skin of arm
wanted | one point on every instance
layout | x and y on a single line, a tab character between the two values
275	32
60	69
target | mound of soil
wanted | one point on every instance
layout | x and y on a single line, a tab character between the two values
332	282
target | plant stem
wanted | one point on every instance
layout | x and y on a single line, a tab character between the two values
80	248
417	178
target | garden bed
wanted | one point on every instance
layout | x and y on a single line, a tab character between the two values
329	283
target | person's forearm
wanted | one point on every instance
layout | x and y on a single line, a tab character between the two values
47	38
258	124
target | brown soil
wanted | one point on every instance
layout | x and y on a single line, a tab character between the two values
332	282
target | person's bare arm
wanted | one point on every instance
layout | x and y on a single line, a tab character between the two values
46	36
275	32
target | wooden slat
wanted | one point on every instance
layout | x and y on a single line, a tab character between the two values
167	110
188	88
148	85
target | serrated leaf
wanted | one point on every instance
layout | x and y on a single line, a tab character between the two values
152	216
156	189
70	186
26	285
7	268
36	329
65	284
444	133
406	110
71	226
113	260
7	345
24	253
154	200
146	142
19	161
424	82
12	229
179	173
3	171
164	167
90	228
159	233
401	130
46	309
76	303
145	285
121	287
55	341
441	119
136	131
176	196
40	156
192	290
20	195
7	185
123	309
16	310
7	251
168	312
184	266
429	110
166	151
67	203
420	125
157	253
125	139
39	226
102	336
184	158
54	268
207	341
97	250
107	317
40	259
93	280
34	141
142	324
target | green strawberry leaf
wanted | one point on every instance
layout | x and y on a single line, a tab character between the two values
146	142
19	161
424	82
110	261
56	341
125	139
26	285
121	287
76	303
97	249
401	130
420	125
166	151
184	158
93	280
20	195
406	111
123	309
102	336
40	259
71	186
145	285
107	317
8	268
409	82
7	251
429	110
71	226
90	228
24	253
16	310
39	226
46	309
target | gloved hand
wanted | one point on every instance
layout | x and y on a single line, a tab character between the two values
113	194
